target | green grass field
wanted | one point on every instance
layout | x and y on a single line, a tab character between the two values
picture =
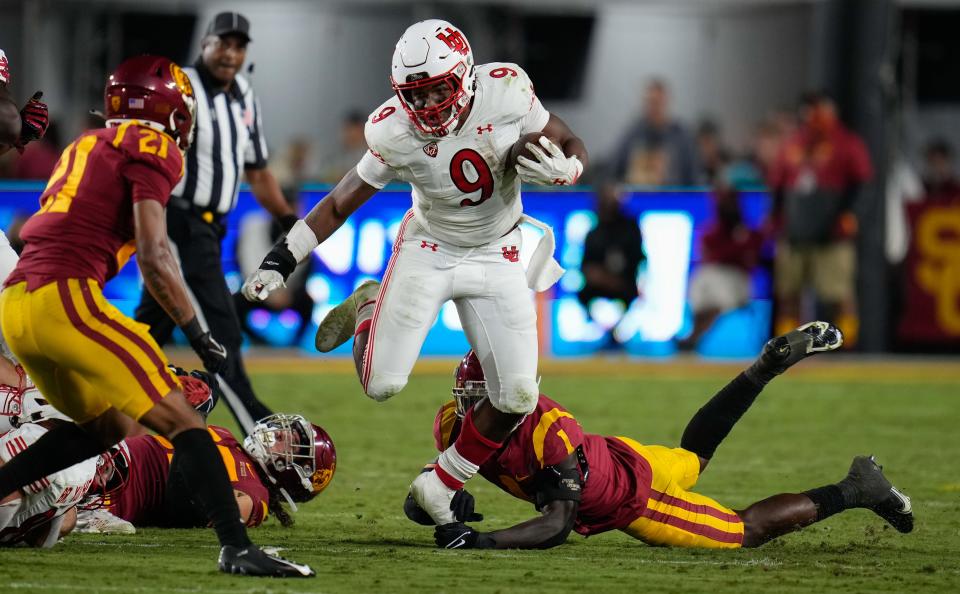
802	432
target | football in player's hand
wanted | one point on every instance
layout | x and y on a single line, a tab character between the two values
520	148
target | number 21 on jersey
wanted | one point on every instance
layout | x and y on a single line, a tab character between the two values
74	158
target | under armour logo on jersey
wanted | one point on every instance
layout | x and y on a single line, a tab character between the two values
559	181
431	149
430	246
455	41
511	253
487	128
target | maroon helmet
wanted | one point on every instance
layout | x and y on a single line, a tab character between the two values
154	90
469	384
296	455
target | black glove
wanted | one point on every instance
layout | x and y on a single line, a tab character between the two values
460	536
462	507
211	352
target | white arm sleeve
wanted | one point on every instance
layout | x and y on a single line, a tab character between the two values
536	119
374	171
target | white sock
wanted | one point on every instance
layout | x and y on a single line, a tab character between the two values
365	314
456	466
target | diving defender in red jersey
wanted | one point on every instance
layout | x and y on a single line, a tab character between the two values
592	483
105	200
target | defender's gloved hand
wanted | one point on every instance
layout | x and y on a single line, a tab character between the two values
460	536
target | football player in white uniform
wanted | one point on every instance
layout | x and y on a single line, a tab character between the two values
41	512
447	131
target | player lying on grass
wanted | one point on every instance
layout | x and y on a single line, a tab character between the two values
284	459
592	483
43	511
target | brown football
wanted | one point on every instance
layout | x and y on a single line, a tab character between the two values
520	148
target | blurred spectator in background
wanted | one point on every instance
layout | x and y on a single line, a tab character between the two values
815	181
40	158
353	145
656	150
730	250
612	251
712	156
940	180
754	169
293	168
256	236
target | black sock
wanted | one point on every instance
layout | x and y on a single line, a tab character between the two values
59	448
716	418
829	500
200	464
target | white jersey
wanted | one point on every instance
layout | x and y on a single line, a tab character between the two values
8	261
462	193
48	498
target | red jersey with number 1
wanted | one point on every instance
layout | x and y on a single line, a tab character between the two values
84	228
617	487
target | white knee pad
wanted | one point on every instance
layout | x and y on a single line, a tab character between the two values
517	395
383	387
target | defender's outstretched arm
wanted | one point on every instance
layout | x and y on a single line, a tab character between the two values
558	497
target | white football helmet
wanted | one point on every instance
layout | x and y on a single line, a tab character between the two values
24	403
432	53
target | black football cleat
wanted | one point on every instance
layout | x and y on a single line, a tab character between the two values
253	561
782	352
874	492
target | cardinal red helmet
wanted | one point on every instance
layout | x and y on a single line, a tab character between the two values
469	383
296	455
155	91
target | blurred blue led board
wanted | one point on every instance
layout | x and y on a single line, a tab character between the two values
672	222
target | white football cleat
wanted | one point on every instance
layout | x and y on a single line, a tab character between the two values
338	325
433	497
100	521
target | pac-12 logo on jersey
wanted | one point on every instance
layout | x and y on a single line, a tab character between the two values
431	149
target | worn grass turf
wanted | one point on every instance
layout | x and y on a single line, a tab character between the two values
801	433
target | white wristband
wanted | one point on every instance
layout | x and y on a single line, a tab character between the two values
301	240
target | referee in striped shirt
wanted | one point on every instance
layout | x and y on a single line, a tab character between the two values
228	141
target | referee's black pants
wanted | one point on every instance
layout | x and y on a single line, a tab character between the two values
197	244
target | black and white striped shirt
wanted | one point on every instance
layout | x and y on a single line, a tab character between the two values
228	138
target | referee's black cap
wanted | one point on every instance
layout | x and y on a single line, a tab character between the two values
229	23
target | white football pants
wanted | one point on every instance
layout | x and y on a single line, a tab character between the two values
489	288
